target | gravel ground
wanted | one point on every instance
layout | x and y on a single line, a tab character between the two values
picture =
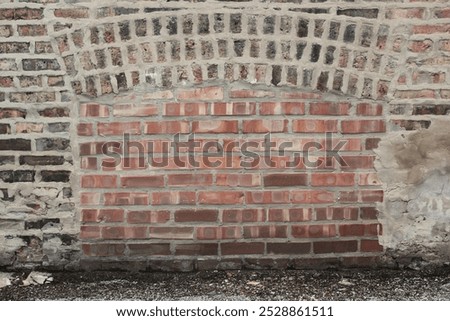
266	285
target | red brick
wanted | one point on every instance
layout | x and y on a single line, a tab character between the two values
369	213
221	197
244	180
74	13
205	93
358	162
420	45
185	109
173	197
196	215
104	249
371	246
359	230
337	213
363	126
90	232
265	126
89	198
124	198
306	231
399	13
6	82
243	215
332	179
197	249
328	108
219	233
285	180
267	197
139	217
372	196
148	249
172	233
215	126
430	29
99	181
348	196
288	248
167	127
442	13
32	30
314	126
312	197
89	163
142	181
85	129
121	232
335	247
290	215
234	108
93	110
241	248
12	113
116	128
21	14
189	179
415	94
282	108
102	215
366	109
129	110
372	143
267	231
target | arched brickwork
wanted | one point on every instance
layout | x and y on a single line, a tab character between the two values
310	48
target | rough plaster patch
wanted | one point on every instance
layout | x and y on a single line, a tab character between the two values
415	170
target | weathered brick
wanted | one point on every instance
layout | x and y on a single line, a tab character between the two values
11	176
21	14
40	64
44	144
15	144
55	176
41	160
74	13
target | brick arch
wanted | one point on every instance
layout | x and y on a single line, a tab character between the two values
313	48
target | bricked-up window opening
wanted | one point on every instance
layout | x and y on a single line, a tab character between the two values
74	76
215	174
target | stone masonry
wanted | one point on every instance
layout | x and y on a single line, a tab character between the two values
93	93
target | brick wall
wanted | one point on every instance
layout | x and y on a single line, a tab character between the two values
76	75
242	194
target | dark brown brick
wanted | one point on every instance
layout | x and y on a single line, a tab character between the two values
15	144
335	247
196	215
197	249
288	248
41	160
55	176
286	180
147	249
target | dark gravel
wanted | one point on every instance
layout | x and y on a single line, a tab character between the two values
240	285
